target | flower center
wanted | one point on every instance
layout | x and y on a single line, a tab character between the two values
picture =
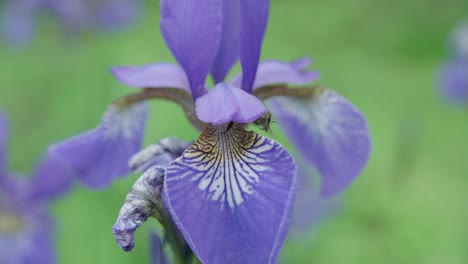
9	223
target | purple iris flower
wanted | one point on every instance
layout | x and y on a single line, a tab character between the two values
74	16
453	78
26	228
231	193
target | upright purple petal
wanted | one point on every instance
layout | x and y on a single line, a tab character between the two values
254	19
278	72
156	75
329	132
453	81
231	194
101	155
192	30
228	52
228	103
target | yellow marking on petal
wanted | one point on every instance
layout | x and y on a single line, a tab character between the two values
9	223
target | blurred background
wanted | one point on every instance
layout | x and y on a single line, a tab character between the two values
409	204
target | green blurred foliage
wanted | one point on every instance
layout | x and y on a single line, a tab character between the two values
409	205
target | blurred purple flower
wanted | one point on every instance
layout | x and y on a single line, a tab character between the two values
236	182
74	16
453	76
26	229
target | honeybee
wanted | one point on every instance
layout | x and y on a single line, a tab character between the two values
264	121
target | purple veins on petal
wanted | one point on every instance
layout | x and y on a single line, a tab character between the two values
227	103
192	31
161	154
99	156
272	72
330	134
254	20
156	75
142	202
231	194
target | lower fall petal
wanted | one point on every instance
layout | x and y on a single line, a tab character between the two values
101	155
231	194
329	132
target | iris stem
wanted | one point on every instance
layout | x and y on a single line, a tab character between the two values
181	97
268	91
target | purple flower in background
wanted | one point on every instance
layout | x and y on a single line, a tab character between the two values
453	77
26	229
74	16
231	193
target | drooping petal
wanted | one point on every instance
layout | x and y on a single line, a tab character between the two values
453	81
254	19
227	103
101	155
3	144
156	75
157	252
52	178
228	52
142	202
160	154
192	30
279	72
310	208
231	194
329	132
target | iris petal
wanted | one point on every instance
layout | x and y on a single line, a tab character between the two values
227	103
156	75
192	30
329	132
240	187
310	208
228	52
52	178
254	19
142	202
100	156
278	72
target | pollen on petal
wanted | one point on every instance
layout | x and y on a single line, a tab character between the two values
99	156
